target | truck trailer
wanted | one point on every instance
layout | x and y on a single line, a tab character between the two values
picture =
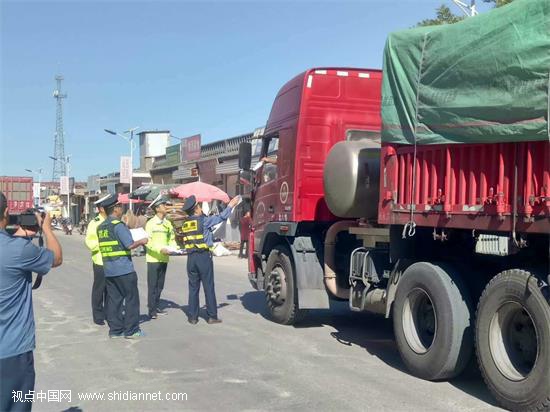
18	191
420	193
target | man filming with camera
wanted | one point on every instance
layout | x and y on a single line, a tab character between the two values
19	258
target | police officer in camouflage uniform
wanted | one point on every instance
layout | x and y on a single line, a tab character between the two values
199	240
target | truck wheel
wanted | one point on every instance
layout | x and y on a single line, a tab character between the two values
432	321
513	341
280	290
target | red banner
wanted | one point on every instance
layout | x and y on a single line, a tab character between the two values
190	148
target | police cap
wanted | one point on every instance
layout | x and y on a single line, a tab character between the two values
159	200
189	204
107	201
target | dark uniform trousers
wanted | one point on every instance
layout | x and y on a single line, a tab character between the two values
16	374
99	294
122	290
156	274
200	268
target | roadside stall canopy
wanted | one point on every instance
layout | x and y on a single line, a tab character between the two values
202	191
149	193
483	80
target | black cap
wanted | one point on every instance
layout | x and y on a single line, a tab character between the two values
159	200
189	204
107	201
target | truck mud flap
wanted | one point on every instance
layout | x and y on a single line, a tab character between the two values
309	275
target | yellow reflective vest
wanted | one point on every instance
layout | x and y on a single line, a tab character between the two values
161	234
92	241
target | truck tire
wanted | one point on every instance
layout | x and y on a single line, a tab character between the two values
280	287
513	341
432	321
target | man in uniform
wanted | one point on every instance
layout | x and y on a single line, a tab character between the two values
161	239
99	291
197	234
115	244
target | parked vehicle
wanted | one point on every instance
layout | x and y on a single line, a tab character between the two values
18	191
447	233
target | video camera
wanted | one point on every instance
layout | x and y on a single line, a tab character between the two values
27	219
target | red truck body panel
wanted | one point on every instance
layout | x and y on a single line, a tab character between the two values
470	186
18	191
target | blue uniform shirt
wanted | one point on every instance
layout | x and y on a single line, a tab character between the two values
121	265
19	257
213	221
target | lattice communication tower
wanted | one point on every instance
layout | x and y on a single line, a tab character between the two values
59	168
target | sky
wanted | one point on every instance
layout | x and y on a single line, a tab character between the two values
208	67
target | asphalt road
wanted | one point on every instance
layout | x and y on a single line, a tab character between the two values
334	360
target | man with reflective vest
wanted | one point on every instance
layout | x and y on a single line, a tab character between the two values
161	240
198	238
99	291
115	243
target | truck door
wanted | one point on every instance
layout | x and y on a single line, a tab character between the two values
266	193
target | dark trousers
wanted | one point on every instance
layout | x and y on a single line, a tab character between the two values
123	290
243	250
200	268
156	274
16	374
99	294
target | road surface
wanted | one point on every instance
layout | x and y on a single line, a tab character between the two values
334	360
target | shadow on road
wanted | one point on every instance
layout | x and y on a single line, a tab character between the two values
372	332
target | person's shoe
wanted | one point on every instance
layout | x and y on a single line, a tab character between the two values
161	312
152	316
116	335
213	321
99	322
136	335
192	321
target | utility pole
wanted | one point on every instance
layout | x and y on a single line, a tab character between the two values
59	167
470	10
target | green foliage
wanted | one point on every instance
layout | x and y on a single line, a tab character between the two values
498	3
444	15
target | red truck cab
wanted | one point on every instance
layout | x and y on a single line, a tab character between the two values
311	113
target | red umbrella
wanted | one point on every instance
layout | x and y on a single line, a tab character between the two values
202	191
124	199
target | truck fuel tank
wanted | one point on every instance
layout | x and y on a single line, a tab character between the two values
352	179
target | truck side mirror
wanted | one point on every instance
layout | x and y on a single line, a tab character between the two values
245	156
246	177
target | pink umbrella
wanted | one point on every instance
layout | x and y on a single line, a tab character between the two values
124	199
202	191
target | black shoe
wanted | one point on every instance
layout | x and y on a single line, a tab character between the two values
192	321
152	315
161	312
99	322
213	321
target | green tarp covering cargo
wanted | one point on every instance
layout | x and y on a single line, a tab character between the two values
483	80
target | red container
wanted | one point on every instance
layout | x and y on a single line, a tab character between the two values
470	186
18	191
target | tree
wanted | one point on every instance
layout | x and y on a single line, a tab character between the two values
444	15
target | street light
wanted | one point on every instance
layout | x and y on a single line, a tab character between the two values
132	147
67	161
39	173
